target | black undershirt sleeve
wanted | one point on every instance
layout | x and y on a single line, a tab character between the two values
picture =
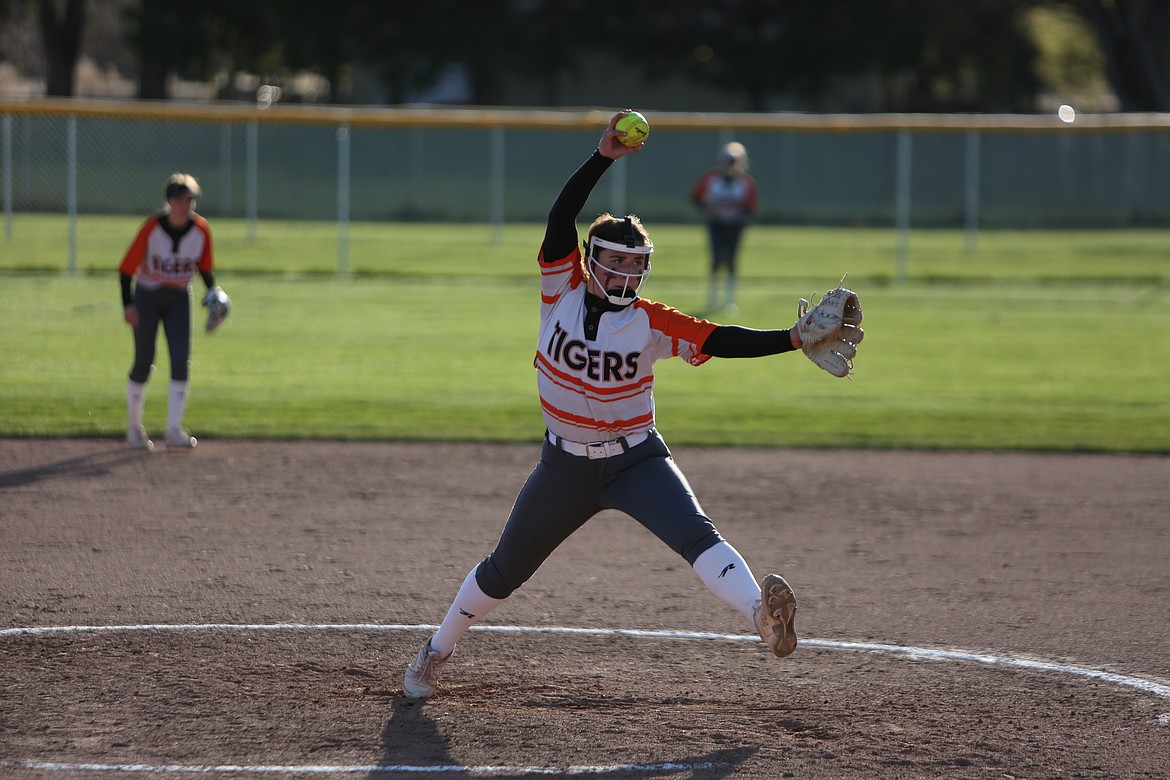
127	294
208	278
560	236
734	341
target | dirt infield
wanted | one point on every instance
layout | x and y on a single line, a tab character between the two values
1052	573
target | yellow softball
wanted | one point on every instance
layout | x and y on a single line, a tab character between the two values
635	127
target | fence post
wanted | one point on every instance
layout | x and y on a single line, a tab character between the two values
497	176
902	201
7	163
71	187
416	176
251	179
225	168
971	199
343	200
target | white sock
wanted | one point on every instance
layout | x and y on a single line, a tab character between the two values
135	402
469	607
176	403
726	574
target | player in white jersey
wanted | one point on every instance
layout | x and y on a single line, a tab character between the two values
595	357
156	271
727	195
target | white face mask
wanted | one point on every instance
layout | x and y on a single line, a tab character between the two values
627	293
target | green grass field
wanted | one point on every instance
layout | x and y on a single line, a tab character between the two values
1044	340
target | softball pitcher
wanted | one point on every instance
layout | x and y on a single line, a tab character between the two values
156	277
595	357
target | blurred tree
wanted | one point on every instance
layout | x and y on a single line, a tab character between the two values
1134	36
550	39
902	55
62	23
760	48
324	38
407	44
927	56
1071	67
244	37
20	42
483	44
228	37
490	41
167	44
9	8
104	41
965	55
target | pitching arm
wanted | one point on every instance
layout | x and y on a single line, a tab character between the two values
560	235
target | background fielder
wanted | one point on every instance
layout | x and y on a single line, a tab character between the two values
728	197
155	274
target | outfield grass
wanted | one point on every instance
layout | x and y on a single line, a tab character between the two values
40	243
1046	341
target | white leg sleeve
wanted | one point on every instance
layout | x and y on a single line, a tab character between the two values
726	574
176	403
135	402
469	607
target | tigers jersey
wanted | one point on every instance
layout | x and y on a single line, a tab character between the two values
726	199
162	256
598	387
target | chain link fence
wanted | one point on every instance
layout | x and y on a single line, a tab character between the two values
62	164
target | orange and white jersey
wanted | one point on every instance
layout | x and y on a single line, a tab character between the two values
598	387
730	199
165	257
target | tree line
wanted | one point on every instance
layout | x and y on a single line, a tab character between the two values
920	55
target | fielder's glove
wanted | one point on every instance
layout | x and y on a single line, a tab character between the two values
831	330
218	305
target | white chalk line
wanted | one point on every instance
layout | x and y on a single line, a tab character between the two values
914	653
326	769
917	653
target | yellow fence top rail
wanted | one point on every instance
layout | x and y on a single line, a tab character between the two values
569	119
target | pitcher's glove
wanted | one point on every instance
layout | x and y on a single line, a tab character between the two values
218	305
831	330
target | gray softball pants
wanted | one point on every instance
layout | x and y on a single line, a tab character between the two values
172	307
564	491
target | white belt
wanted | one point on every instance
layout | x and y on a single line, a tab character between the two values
599	449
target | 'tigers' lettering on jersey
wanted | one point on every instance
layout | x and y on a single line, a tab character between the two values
173	266
599	366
